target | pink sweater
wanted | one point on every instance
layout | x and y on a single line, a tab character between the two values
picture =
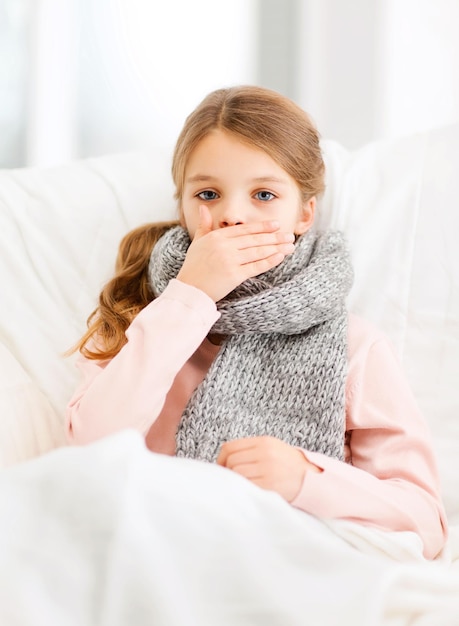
390	478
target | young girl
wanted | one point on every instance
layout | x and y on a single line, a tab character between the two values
224	336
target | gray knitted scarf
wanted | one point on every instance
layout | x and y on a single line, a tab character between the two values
281	370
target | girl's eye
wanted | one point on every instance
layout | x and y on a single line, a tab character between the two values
207	195
264	196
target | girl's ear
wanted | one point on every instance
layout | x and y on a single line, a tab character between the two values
306	219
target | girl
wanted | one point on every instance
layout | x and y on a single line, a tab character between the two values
224	336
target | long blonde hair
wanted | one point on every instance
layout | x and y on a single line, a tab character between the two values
259	117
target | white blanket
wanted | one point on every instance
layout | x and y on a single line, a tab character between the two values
114	535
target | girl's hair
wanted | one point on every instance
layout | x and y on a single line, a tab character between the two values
124	296
260	118
263	119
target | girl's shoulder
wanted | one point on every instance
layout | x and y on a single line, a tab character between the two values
360	329
372	358
366	339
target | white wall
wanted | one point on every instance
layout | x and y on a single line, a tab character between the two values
112	75
100	76
379	68
339	79
52	83
13	80
420	73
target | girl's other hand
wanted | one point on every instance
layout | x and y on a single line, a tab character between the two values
267	462
219	260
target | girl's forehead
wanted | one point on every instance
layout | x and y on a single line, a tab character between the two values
220	146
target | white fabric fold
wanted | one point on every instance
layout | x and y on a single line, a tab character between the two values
113	535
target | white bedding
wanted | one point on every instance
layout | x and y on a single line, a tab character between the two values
113	535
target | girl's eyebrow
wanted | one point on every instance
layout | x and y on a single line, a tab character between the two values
199	178
269	179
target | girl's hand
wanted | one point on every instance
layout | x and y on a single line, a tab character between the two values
267	462
219	260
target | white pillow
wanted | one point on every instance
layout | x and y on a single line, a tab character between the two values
59	233
29	426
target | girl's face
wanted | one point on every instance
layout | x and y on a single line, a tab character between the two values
241	184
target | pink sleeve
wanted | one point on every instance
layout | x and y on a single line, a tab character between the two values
129	390
391	479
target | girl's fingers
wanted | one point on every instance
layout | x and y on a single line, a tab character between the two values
241	457
245	445
249	270
217	263
205	222
239	230
251	471
264	239
252	255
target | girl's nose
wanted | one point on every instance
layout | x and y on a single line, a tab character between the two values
228	222
230	215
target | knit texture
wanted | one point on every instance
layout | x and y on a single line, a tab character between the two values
282	368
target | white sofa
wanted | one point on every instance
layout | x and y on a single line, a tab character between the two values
397	201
